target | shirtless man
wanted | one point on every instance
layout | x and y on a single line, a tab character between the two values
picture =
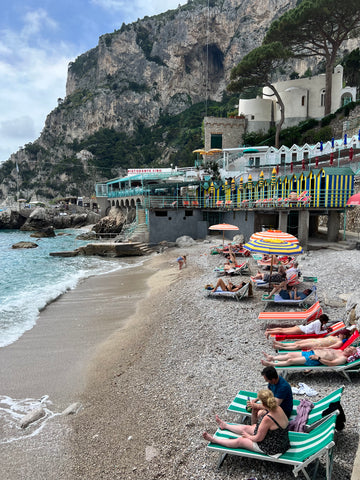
335	341
311	358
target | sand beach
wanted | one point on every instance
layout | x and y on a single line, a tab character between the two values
151	359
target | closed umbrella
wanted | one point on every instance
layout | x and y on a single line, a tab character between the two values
223	227
261	179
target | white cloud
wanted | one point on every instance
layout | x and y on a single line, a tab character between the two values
33	75
36	21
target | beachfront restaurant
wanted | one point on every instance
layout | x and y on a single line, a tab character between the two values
173	206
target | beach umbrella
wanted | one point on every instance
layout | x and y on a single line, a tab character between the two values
233	186
224	227
332	142
345	139
200	150
241	183
275	235
291	167
321	146
273	246
354	199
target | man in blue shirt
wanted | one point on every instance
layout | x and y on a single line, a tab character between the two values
281	390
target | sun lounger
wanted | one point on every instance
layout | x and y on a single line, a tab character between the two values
354	338
281	301
239	295
305	448
336	327
262	284
305	316
351	367
238	405
242	269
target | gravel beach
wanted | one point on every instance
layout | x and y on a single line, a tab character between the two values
154	384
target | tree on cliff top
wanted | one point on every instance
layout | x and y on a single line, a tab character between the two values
317	28
256	69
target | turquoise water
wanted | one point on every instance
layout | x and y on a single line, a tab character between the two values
31	278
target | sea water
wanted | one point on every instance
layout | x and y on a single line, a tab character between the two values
30	278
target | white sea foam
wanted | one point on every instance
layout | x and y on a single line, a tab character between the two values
13	410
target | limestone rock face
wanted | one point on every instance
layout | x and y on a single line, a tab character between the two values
11	220
157	66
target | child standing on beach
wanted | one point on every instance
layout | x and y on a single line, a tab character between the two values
181	261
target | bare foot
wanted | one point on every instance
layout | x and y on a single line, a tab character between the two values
208	437
220	422
266	364
268	357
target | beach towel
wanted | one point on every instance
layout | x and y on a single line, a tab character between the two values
299	422
304	390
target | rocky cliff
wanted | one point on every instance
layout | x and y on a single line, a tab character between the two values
144	72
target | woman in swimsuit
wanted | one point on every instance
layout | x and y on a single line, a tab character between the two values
269	435
335	341
230	287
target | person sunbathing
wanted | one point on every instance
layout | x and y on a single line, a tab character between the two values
221	286
332	341
278	277
286	294
269	435
316	326
310	358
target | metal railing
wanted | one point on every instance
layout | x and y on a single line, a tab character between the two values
324	198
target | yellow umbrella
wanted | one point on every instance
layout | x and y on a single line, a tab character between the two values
200	150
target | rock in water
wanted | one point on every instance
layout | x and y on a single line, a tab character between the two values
25	245
32	417
72	409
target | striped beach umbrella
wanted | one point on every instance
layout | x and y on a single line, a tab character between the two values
233	186
272	246
275	235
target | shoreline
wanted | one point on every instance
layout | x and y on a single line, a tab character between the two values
153	385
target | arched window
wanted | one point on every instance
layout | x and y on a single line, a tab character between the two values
322	97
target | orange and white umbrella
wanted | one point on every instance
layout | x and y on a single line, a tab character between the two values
223	227
274	235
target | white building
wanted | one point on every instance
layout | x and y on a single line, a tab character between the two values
303	98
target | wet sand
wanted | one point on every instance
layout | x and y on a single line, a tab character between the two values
52	358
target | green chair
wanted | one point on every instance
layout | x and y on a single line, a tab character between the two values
238	405
305	448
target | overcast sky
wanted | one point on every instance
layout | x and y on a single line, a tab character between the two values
37	41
